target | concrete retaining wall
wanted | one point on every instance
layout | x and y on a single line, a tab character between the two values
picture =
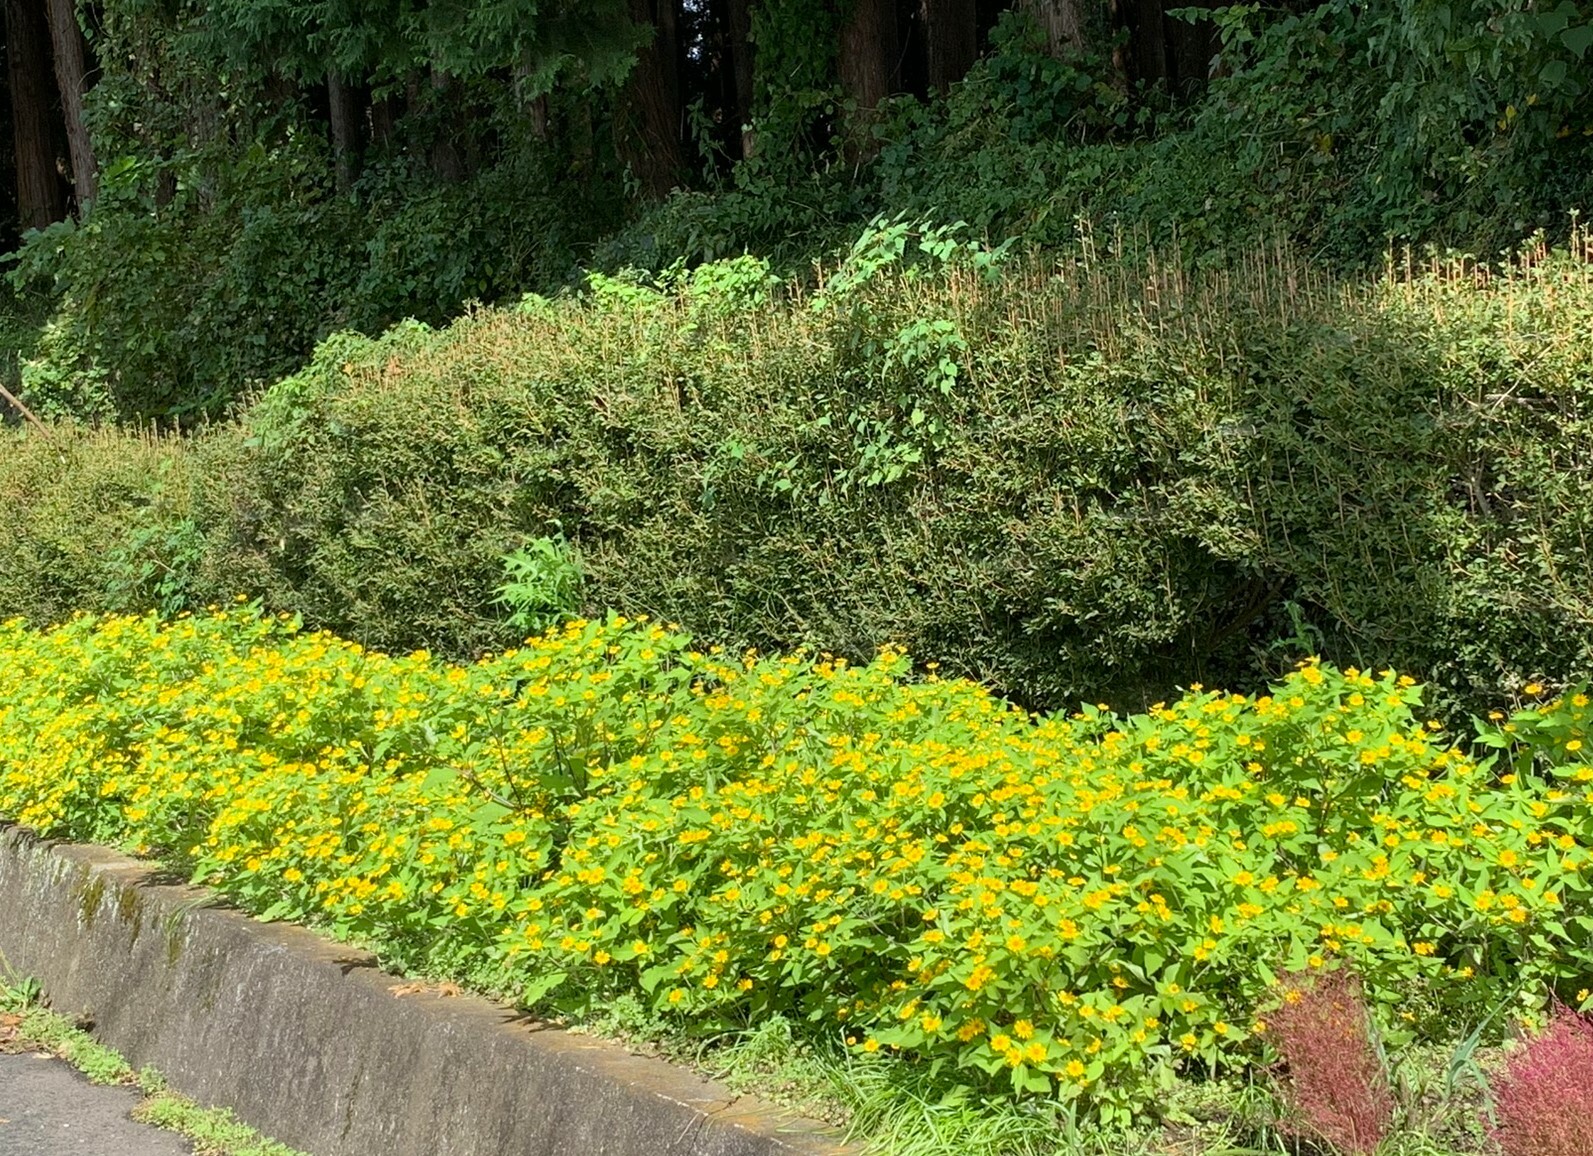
305	1041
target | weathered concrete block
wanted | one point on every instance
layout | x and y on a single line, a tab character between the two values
305	1041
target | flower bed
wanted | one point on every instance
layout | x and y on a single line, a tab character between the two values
1080	905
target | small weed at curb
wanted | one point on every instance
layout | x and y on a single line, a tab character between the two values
212	1131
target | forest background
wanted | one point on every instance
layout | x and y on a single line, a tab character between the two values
262	175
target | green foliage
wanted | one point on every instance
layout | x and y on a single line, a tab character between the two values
172	315
386	41
1414	119
1335	125
96	520
215	260
21	317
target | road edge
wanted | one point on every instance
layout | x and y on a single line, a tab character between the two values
303	1038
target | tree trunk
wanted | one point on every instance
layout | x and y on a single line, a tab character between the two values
581	134
534	108
537	113
71	77
447	162
1190	49
343	114
868	50
951	40
385	114
1175	53
649	122
739	21
1147	56
40	196
1063	23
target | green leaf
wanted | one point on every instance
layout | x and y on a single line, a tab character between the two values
543	984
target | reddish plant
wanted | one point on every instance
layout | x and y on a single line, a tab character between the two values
1543	1101
1335	1083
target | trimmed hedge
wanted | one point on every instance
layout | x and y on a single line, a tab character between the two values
1080	481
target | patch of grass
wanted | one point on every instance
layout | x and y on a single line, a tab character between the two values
888	1108
212	1131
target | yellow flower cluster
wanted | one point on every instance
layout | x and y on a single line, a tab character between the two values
1061	904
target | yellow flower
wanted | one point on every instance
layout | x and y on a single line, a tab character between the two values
979	977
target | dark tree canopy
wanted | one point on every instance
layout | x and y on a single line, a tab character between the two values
258	174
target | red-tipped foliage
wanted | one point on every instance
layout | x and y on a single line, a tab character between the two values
1335	1082
1543	1100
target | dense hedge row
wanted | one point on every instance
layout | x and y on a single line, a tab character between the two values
1083	905
1072	481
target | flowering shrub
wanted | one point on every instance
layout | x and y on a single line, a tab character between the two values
1337	1085
1074	905
1544	1099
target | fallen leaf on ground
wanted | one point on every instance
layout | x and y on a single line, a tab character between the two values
441	990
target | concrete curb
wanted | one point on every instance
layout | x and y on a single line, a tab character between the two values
303	1039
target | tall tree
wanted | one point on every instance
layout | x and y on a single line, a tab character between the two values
867	55
448	161
343	116
738	20
1191	47
1063	23
951	40
650	109
1161	49
40	196
71	78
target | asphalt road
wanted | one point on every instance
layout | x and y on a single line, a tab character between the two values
47	1109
